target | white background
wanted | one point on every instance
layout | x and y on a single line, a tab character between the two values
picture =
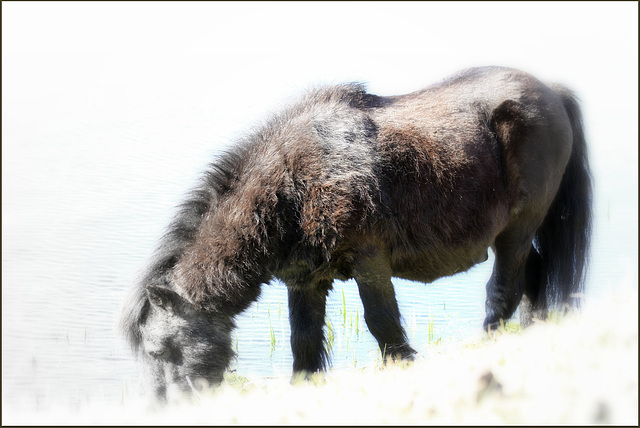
110	111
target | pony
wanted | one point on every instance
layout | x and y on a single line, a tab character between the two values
346	184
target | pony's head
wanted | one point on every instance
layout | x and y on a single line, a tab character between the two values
179	343
181	347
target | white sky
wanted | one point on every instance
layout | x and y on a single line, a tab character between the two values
273	50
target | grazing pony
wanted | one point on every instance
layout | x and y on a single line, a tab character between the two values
345	184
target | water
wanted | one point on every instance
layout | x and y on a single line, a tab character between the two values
454	319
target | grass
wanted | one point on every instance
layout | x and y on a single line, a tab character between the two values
331	336
344	310
430	329
272	337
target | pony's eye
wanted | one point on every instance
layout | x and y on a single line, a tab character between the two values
158	353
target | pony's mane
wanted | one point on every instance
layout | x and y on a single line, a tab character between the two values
180	233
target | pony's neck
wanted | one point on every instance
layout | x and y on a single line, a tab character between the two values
223	268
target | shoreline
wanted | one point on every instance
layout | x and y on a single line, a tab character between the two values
582	369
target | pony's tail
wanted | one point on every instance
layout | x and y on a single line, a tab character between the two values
564	239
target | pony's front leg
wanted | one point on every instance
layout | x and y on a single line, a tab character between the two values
307	307
381	313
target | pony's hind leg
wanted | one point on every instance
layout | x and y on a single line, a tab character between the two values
381	313
506	285
534	299
307	307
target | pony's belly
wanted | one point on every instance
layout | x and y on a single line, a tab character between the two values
429	267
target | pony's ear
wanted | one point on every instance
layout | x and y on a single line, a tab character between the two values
163	298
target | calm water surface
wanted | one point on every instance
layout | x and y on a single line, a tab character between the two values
81	217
